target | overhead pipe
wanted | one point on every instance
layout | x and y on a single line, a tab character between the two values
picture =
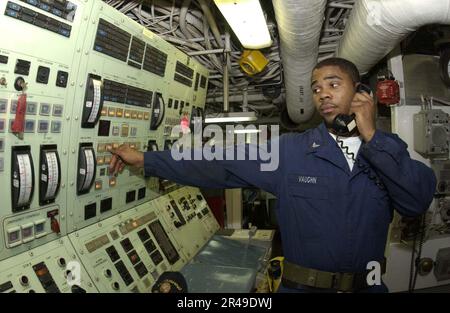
376	27
299	25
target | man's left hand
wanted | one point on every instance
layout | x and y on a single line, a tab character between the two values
364	108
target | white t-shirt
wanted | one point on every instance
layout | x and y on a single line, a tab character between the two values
353	144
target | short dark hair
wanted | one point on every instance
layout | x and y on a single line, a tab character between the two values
345	66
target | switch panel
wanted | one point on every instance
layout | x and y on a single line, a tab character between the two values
22	178
442	268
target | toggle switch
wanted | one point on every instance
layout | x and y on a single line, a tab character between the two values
24	281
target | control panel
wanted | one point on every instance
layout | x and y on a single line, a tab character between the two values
128	252
78	78
188	218
50	268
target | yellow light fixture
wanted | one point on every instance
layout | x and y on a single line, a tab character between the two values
231	117
247	131
247	21
253	62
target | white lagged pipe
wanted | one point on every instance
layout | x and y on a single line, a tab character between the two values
299	24
376	27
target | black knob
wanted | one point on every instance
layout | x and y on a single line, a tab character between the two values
108	273
24	280
19	83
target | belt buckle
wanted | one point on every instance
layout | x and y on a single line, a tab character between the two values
343	282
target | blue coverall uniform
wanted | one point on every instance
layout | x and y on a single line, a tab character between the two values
331	219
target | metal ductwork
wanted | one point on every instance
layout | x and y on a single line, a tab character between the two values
376	27
299	25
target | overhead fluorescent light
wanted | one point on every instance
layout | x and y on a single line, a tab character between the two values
231	117
246	19
247	131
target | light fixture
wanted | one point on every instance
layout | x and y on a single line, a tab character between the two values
247	21
247	131
231	117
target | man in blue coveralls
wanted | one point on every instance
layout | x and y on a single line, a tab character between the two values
333	210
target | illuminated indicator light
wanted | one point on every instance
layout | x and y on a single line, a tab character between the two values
108	146
119	112
98	185
115	145
124	132
101	148
146	116
39	228
134	115
42	272
112	181
107	159
27	233
140	116
112	112
104	111
127	114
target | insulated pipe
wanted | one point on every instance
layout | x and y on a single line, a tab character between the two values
204	5
376	27
226	104
299	24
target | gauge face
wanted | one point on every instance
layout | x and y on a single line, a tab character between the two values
184	124
445	66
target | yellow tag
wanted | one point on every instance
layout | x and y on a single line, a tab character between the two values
148	33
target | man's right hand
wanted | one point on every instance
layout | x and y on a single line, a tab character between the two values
124	155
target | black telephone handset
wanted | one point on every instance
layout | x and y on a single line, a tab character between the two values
345	125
